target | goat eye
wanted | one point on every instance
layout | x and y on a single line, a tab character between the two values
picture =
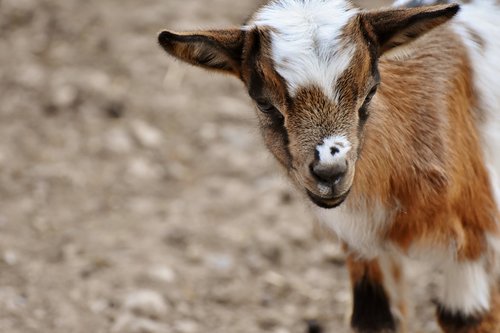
370	95
268	108
363	111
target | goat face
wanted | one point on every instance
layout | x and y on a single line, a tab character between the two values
311	68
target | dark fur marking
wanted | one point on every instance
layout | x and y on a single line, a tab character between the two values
456	322
371	311
256	90
372	47
256	82
388	31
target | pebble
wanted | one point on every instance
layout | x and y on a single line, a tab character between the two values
127	323
146	303
10	257
147	135
98	306
162	274
220	262
118	141
143	169
186	326
64	96
274	279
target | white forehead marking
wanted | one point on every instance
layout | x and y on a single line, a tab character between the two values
307	46
341	146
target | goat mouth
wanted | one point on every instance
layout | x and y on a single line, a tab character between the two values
327	203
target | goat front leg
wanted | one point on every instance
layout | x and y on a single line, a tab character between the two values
469	303
371	301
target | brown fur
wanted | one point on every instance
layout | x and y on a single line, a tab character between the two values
431	185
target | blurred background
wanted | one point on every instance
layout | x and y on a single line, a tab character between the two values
136	195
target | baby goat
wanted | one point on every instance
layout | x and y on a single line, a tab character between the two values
389	122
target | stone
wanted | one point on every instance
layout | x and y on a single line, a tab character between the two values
146	303
147	135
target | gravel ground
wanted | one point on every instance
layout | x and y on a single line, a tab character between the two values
137	196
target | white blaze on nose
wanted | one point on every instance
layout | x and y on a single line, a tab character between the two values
333	150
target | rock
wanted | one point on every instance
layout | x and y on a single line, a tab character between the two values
146	303
186	326
147	135
220	262
10	257
275	280
98	306
118	141
208	132
281	330
162	274
143	169
64	96
127	323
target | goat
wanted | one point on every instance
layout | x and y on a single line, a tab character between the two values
388	122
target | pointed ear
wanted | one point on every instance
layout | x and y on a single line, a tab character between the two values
219	50
391	28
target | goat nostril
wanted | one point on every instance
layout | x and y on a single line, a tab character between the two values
331	175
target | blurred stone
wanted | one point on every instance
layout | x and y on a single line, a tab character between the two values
98	80
268	322
64	96
186	326
146	303
343	296
299	234
269	246
162	274
128	323
98	306
177	237
195	254
177	170
275	280
31	75
144	169
117	140
281	330
10	257
11	299
208	132
220	262
147	135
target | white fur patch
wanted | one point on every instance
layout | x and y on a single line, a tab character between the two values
340	143
360	229
481	17
466	288
307	48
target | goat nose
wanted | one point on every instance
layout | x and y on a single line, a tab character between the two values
329	173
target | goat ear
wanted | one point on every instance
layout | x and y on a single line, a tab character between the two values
219	50
394	27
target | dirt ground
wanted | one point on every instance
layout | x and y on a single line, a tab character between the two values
136	195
